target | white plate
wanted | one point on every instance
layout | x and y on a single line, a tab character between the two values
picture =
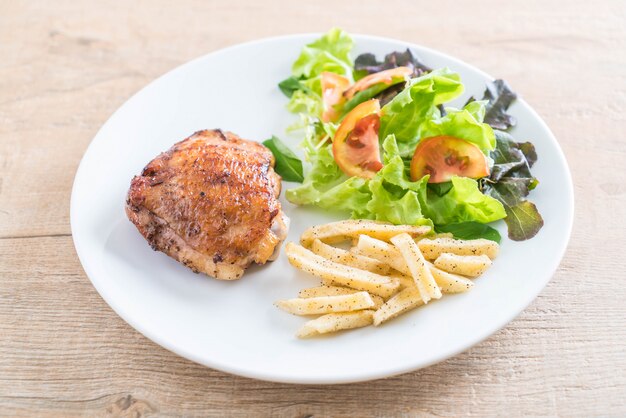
234	326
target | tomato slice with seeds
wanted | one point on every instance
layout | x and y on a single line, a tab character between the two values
443	157
333	86
392	76
355	145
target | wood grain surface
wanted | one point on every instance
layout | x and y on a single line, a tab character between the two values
65	66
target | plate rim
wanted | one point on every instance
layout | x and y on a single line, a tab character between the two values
354	377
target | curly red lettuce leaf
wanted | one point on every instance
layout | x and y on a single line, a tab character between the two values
368	64
499	97
510	182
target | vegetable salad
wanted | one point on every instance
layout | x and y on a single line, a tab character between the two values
380	143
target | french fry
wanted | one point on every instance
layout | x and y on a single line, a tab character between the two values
417	266
355	247
405	281
327	251
348	258
352	228
327	304
336	322
383	252
335	274
422	291
313	292
450	283
365	263
433	248
384	290
404	301
466	265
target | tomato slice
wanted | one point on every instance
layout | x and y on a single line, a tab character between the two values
355	145
445	156
333	86
392	76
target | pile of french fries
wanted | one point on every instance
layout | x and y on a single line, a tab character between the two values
389	270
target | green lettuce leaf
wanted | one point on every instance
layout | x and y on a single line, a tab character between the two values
465	124
395	198
331	53
306	103
394	204
350	196
477	109
328	53
322	174
327	187
417	103
463	202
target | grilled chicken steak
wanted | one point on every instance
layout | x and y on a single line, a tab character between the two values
210	202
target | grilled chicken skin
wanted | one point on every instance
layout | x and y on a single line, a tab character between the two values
210	202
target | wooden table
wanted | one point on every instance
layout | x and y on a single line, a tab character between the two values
65	67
